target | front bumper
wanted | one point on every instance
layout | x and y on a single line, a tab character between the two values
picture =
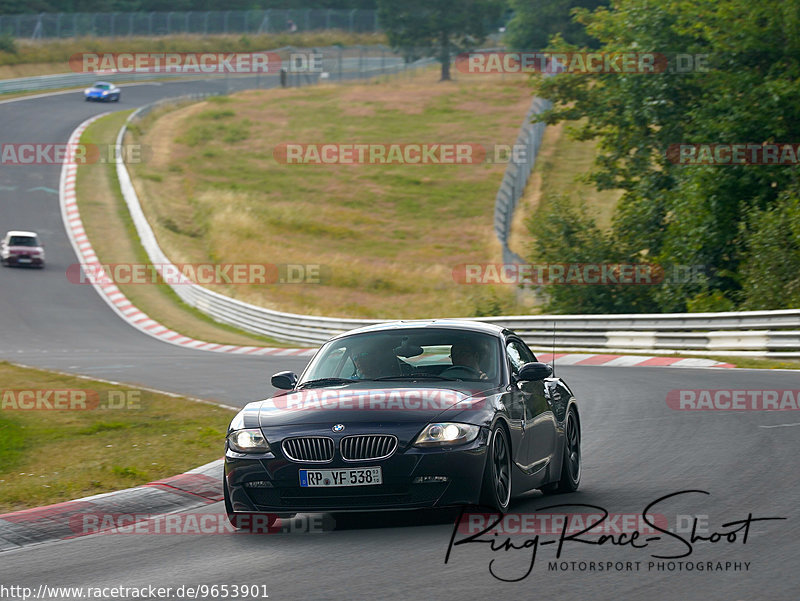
24	261
274	481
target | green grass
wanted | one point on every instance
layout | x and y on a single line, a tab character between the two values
561	170
13	441
564	170
757	363
52	456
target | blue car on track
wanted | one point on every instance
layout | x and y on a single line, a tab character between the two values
102	91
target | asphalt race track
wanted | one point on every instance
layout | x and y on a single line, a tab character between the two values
635	451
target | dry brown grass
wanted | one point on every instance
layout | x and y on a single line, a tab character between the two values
388	235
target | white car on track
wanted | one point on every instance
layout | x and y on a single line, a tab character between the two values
21	248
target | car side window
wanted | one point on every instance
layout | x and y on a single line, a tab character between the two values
518	355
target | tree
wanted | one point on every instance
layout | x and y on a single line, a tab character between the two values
438	28
536	21
565	233
693	215
771	269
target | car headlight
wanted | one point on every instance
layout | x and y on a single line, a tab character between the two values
250	440
446	433
105	92
87	90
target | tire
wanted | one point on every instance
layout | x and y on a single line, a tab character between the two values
496	486
570	478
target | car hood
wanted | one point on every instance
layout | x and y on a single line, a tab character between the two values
363	402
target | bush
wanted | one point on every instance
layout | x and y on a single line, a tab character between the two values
8	44
564	233
771	271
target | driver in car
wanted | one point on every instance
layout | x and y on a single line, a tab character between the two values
463	355
375	363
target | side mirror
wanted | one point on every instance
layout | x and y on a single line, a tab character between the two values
532	372
285	380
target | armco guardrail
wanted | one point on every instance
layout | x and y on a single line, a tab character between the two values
753	333
516	177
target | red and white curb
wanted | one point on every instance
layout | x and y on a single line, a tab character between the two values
112	294
196	488
627	360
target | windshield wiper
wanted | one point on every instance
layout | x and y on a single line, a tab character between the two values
326	382
417	377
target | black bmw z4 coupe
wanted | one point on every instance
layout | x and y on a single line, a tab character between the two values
404	415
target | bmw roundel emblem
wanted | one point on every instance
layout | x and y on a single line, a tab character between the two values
338	428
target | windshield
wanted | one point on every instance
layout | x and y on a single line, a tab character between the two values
102	86
431	354
23	241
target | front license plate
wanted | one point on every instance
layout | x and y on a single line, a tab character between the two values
24	260
363	476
